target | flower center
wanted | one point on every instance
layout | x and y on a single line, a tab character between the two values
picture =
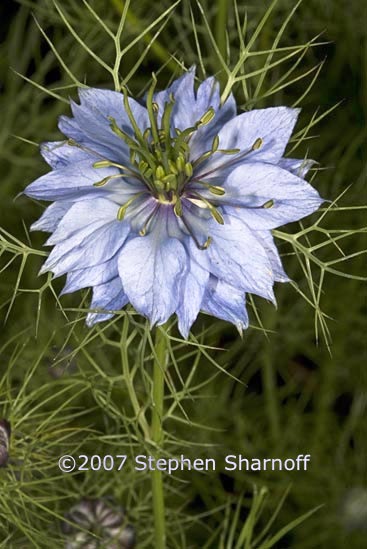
160	159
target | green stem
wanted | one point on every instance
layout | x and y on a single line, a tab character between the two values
160	361
221	26
269	382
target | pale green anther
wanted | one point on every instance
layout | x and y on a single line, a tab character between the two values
219	191
146	134
170	180
148	173
155	107
180	163
215	143
121	212
207	243
229	151
258	143
178	208
162	135
132	156
217	216
206	118
142	166
172	167
102	164
159	172
188	169
102	182
268	204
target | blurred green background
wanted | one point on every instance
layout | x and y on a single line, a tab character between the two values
296	395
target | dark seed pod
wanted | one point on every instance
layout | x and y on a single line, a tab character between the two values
5	431
97	524
354	509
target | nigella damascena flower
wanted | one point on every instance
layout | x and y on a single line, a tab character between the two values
169	204
5	431
96	524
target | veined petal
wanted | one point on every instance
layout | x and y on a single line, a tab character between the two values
252	185
107	297
70	182
237	257
89	244
59	154
52	215
273	126
151	270
83	214
192	292
267	241
184	112
226	302
92	117
91	276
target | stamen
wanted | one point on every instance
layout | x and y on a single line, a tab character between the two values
214	189
207	242
144	229
109	164
107	179
213	210
122	210
256	145
206	118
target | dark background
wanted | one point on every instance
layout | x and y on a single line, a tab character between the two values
297	395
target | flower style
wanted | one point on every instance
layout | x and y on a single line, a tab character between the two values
169	204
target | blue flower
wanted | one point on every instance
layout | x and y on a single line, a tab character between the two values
169	205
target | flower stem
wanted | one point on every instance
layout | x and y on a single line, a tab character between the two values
221	26
270	384
160	360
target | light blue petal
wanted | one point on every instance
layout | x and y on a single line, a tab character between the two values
71	182
84	214
51	217
273	125
59	154
91	276
299	167
208	95
250	186
267	241
226	302
97	105
237	257
92	118
106	297
77	181
84	245
151	270
192	293
184	111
